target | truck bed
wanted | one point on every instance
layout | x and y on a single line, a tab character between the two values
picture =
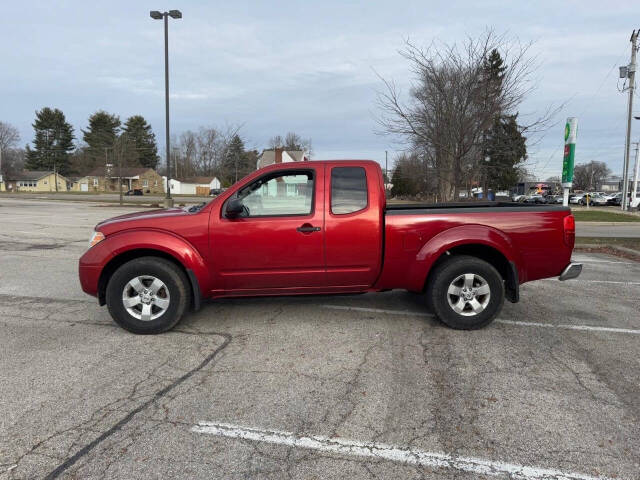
468	207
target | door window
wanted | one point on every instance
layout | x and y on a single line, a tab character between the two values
348	190
280	194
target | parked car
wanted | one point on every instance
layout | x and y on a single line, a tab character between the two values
215	191
323	228
576	198
598	200
518	198
615	199
536	198
135	191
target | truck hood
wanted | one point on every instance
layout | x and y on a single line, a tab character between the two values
148	219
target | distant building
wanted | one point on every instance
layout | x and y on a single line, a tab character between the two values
533	187
280	155
192	185
36	181
105	179
610	184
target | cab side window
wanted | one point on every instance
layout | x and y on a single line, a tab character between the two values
348	190
279	195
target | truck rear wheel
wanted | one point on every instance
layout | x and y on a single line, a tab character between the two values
147	295
465	292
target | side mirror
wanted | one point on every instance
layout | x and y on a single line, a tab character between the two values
234	208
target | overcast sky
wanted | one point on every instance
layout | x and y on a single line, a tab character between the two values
304	66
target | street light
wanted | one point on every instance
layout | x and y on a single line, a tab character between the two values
156	15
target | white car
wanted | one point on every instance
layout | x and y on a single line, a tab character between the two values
635	202
598	200
576	198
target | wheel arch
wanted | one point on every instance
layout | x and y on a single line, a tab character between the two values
128	255
480	241
491	255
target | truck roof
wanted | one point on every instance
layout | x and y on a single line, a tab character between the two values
276	166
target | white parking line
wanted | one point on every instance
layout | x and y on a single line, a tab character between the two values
584	328
407	455
615	282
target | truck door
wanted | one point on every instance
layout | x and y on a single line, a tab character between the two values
278	242
353	226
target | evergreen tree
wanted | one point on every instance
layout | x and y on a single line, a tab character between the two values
52	144
236	159
100	137
506	149
493	74
400	184
504	146
142	136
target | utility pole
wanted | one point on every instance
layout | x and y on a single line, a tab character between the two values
631	74
386	167
635	175
120	169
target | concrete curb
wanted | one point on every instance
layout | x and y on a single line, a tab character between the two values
625	250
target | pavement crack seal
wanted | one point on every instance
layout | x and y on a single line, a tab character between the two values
381	451
69	462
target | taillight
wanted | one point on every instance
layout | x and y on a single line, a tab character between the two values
569	227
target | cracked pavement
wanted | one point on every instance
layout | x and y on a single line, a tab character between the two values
82	398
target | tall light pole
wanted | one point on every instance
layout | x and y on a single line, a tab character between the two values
156	15
634	189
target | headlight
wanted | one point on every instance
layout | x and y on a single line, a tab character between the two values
96	238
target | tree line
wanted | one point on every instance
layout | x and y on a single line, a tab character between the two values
460	123
54	148
208	151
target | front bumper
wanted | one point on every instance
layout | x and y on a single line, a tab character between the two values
572	270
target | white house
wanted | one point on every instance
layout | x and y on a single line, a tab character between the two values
280	155
192	185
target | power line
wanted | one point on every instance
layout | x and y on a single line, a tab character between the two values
590	102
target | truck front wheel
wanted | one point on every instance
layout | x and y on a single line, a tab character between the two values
466	293
147	295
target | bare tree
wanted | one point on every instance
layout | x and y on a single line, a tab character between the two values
276	142
9	136
452	105
12	158
588	176
13	161
203	152
292	141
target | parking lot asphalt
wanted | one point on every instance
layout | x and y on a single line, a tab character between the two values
103	197
361	387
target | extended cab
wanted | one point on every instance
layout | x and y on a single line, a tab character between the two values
323	227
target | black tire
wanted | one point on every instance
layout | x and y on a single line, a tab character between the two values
174	280
438	297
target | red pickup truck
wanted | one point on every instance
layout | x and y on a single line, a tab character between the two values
323	227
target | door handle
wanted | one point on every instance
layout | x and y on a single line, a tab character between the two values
307	228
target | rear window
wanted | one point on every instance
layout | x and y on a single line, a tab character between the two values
348	190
